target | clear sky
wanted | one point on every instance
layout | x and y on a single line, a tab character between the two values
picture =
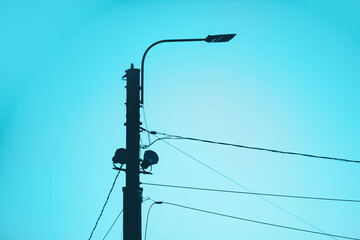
289	80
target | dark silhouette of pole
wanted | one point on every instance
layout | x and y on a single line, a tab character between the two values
132	190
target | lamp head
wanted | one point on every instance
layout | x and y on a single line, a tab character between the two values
219	38
120	156
150	158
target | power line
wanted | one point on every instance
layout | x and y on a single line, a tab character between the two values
148	134
102	210
113	223
159	139
259	222
237	183
251	193
147	216
247	147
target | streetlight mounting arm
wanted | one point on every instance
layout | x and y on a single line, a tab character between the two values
147	50
209	39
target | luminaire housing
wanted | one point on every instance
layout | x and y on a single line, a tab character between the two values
219	38
150	158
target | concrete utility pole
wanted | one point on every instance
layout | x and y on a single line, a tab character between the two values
132	190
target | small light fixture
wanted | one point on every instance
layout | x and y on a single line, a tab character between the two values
120	156
219	38
150	158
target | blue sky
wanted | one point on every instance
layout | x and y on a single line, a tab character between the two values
289	80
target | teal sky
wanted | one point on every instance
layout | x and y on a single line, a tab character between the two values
289	80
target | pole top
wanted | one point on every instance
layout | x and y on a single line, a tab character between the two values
131	70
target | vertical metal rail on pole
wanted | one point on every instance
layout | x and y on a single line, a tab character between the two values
132	191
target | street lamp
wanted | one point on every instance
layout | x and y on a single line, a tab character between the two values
209	39
132	197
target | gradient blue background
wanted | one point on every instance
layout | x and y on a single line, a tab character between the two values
289	80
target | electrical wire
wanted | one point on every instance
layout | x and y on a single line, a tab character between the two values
251	193
249	147
259	222
143	109
158	139
113	223
147	216
102	210
237	183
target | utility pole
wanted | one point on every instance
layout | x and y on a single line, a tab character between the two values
132	191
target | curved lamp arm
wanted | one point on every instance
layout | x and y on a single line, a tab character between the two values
209	39
147	50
